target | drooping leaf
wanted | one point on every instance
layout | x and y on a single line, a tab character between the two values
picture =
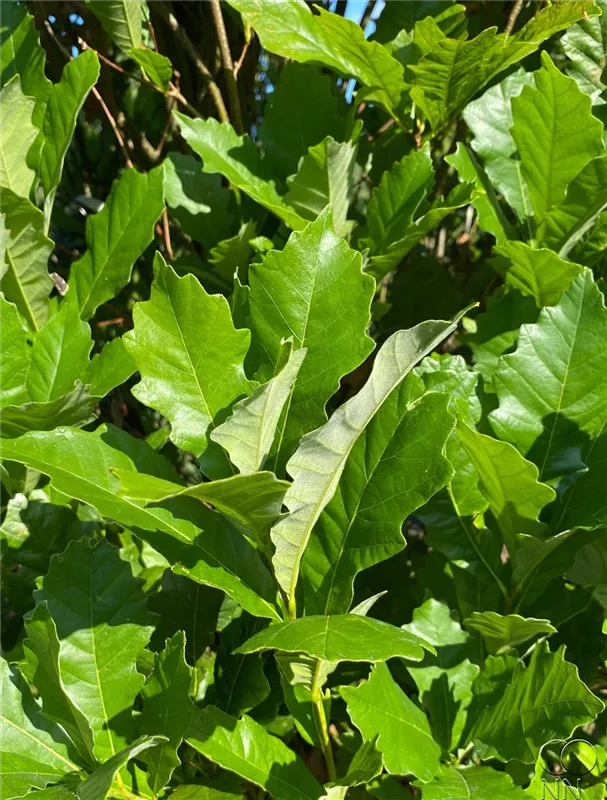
21	54
249	431
392	470
101	633
121	19
187	383
472	783
26	281
543	701
166	709
15	355
553	390
109	368
246	748
236	158
318	463
379	707
323	270
116	237
59	355
97	785
510	485
341	637
82	465
76	408
17	134
500	633
158	68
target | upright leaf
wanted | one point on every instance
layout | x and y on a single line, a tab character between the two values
379	707
166	709
15	355
17	134
109	368
189	355
102	624
314	291
116	237
122	20
97	785
319	461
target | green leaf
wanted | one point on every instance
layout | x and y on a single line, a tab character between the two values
157	68
101	633
64	103
122	20
21	54
15	355
34	750
319	461
82	465
26	281
249	431
97	785
291	292
76	408
294	32
166	709
187	383
502	633
555	111
304	108
341	637
116	237
109	368
444	681
324	177
236	158
395	466
59	356
365	765
225	787
17	134
543	701
472	783
539	273
509	483
552	390
379	707
42	650
585	44
243	746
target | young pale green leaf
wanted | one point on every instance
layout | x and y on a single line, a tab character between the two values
555	110
444	680
315	292
76	408
116	237
395	466
190	385
293	31
236	158
543	701
109	368
341	637
245	747
34	751
59	356
472	783
585	44
324	177
82	465
319	461
17	134
97	785
380	708
304	108
365	765
166	709
102	623
42	651
501	633
15	355
510	485
553	389
25	280
249	431
64	103
538	273
157	68
122	20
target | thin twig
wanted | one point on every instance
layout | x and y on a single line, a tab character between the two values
228	66
166	234
243	52
516	10
188	46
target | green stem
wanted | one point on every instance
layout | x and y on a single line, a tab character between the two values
321	722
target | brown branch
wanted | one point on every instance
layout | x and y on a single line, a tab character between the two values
188	46
166	235
516	10
228	66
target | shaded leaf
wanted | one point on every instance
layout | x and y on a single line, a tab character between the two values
501	633
97	785
539	273
121	19
157	68
74	408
